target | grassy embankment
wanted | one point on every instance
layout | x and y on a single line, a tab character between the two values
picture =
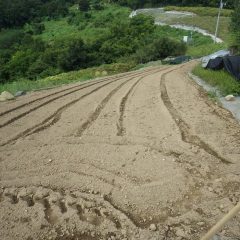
220	79
201	45
205	18
65	78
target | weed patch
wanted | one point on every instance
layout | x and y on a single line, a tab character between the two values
220	79
65	78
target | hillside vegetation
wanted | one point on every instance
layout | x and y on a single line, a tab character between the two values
220	79
155	3
64	78
203	17
206	20
84	39
201	11
41	38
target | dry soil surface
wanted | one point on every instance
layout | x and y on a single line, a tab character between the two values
140	155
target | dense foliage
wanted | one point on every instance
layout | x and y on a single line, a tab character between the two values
99	34
235	25
17	12
147	3
24	54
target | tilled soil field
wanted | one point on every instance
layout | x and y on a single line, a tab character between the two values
140	155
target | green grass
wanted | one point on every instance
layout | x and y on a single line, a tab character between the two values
220	79
201	45
178	34
58	29
149	64
213	96
205	49
175	33
98	26
205	18
65	78
201	11
207	23
88	30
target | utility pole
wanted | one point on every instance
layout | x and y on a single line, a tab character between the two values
218	20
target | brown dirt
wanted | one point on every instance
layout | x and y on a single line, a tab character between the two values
118	157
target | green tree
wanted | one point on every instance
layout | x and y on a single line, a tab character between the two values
75	56
18	12
84	5
235	25
165	47
96	5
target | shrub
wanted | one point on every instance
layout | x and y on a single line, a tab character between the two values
84	5
75	56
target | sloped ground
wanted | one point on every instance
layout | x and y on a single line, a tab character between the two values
140	155
204	24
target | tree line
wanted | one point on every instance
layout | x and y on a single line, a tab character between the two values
17	12
23	54
235	26
160	3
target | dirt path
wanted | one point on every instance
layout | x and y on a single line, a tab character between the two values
140	155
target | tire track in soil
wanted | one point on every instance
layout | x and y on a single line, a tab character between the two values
55	98
98	110
69	200
108	199
183	126
101	179
93	117
121	130
52	94
73	171
56	116
39	106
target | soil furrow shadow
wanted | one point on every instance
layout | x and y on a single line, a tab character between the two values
101	106
89	84
55	98
64	90
126	214
120	127
43	104
183	126
55	117
121	130
95	177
